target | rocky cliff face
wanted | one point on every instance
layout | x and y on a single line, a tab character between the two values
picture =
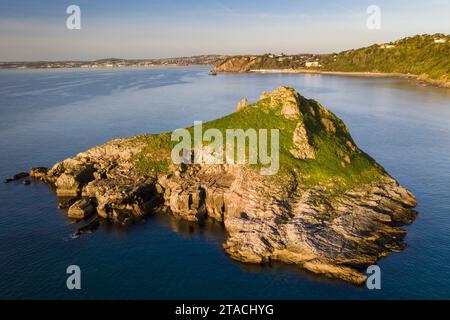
239	64
332	210
267	61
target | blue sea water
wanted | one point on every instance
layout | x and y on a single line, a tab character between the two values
49	115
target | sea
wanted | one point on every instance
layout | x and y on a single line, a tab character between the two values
49	115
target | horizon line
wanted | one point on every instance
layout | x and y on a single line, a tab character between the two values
216	54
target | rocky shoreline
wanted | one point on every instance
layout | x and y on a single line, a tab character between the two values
266	218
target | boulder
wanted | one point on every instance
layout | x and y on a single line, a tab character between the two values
80	209
71	183
38	172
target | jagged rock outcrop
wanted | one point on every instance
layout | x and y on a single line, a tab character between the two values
241	104
302	147
287	100
333	222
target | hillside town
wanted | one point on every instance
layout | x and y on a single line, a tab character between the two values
116	63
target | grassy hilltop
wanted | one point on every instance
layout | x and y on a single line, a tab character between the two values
337	162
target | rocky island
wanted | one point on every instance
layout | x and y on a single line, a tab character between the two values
331	209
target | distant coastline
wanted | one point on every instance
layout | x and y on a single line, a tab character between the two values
202	60
106	67
422	58
418	79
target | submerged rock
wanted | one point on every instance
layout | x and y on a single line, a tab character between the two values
20	175
90	227
16	177
331	209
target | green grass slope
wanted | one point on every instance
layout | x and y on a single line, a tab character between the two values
328	168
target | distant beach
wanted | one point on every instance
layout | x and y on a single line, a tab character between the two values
422	80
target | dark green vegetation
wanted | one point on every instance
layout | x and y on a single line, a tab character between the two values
331	147
419	55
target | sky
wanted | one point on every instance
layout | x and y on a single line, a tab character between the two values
36	30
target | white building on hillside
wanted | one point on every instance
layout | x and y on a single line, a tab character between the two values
310	64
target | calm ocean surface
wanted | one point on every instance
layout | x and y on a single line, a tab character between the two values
49	115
